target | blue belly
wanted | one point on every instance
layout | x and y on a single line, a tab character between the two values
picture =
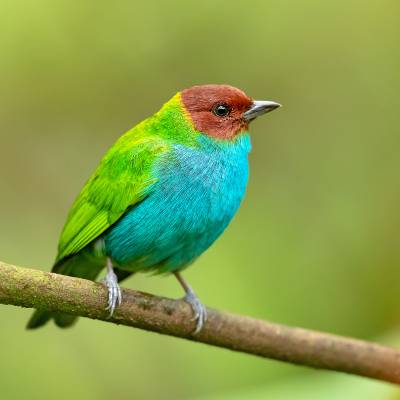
197	194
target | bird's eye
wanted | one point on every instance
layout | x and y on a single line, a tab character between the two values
221	110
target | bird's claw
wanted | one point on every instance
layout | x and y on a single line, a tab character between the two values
199	310
114	292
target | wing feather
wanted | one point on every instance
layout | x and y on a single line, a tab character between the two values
123	178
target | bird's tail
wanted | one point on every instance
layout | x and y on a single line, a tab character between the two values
40	318
82	265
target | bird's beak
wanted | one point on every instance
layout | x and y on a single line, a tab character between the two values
259	107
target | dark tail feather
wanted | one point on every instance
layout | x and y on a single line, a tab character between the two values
64	320
39	318
82	265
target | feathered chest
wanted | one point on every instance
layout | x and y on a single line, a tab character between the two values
205	183
196	194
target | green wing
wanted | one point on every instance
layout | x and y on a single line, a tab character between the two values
123	178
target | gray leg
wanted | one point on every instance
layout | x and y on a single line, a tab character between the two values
114	291
200	312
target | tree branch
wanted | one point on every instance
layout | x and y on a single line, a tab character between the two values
43	290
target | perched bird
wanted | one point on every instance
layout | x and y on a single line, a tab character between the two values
162	194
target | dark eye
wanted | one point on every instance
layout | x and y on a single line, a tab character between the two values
221	110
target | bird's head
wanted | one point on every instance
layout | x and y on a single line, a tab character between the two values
222	111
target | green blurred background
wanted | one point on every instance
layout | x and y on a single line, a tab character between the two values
315	243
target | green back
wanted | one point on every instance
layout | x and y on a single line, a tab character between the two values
124	177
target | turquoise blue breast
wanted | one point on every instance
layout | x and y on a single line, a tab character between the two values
197	194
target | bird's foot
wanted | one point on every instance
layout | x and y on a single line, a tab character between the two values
114	291
199	310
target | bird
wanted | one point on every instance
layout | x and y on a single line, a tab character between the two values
161	195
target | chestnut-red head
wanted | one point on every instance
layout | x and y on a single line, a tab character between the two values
222	111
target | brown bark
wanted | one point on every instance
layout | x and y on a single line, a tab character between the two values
43	290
